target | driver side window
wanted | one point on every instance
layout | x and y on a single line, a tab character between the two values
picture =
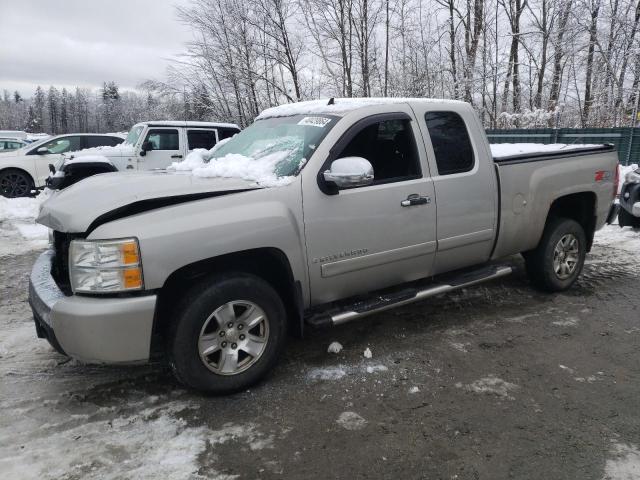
390	147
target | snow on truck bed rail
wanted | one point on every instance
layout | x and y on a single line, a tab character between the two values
501	150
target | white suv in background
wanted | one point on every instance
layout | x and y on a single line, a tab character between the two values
27	168
149	146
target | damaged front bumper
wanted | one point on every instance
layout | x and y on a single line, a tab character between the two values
91	329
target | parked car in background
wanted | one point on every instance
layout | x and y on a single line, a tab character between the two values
629	213
148	146
15	134
27	168
10	144
318	213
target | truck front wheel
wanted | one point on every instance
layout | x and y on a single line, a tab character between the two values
559	257
228	333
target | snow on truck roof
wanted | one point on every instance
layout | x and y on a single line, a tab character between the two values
340	106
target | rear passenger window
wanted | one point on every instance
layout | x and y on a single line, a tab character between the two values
451	143
201	139
390	147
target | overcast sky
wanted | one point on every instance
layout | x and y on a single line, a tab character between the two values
69	43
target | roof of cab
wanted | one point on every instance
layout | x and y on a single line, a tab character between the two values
187	123
341	106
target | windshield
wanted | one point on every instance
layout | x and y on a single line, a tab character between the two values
287	142
270	152
134	134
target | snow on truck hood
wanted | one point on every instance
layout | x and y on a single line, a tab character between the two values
122	150
75	209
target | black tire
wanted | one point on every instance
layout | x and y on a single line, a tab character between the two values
199	305
625	219
540	262
15	183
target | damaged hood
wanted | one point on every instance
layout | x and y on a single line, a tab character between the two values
102	198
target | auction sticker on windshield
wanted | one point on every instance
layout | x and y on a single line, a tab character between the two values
315	121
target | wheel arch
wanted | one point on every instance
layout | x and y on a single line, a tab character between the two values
269	263
581	207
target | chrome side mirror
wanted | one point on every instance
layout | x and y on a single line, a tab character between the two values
350	172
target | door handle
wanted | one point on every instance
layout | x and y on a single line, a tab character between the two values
415	199
176	156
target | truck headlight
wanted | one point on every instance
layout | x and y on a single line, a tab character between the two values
105	266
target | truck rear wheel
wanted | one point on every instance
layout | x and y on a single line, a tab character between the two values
229	332
558	260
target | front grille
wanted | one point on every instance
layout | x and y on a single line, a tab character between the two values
60	266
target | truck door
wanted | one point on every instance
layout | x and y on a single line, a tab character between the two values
371	237
165	147
465	185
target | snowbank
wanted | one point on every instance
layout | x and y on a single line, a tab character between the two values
18	231
261	170
24	208
500	150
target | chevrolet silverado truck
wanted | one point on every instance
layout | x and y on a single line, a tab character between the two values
317	214
148	146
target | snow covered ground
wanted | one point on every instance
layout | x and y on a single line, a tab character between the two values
64	420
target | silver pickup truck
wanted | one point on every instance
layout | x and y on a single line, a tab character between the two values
318	214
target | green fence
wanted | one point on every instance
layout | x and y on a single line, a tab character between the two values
626	140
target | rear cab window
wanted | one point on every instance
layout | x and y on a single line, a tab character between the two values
451	143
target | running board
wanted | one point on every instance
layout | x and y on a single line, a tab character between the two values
387	301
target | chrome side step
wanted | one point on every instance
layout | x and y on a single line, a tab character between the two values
384	302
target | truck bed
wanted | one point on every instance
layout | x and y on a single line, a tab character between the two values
532	176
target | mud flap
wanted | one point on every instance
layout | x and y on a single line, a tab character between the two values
613	213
